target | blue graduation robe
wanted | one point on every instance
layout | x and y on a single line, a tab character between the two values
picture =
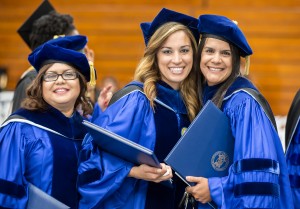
293	164
258	177
42	149
103	181
293	150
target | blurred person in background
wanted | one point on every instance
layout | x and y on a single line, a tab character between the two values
108	86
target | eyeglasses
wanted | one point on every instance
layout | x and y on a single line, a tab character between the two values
48	77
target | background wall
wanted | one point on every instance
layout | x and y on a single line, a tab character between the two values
112	26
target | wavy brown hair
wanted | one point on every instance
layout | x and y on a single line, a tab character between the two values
35	102
148	71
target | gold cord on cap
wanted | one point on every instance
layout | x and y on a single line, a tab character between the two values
247	58
57	36
247	65
92	74
235	22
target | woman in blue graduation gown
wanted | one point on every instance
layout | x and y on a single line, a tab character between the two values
40	143
154	117
258	177
292	135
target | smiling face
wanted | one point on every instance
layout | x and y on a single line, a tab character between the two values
216	61
61	94
175	59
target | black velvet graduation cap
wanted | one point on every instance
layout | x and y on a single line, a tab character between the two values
166	15
25	30
225	28
63	49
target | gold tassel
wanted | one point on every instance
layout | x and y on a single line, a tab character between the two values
92	74
247	65
57	36
235	22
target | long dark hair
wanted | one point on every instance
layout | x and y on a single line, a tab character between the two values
220	94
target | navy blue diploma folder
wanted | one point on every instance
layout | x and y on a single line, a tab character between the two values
38	199
206	147
121	147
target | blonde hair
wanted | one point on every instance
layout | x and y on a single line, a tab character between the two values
148	71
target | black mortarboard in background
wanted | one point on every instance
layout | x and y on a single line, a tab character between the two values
25	30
